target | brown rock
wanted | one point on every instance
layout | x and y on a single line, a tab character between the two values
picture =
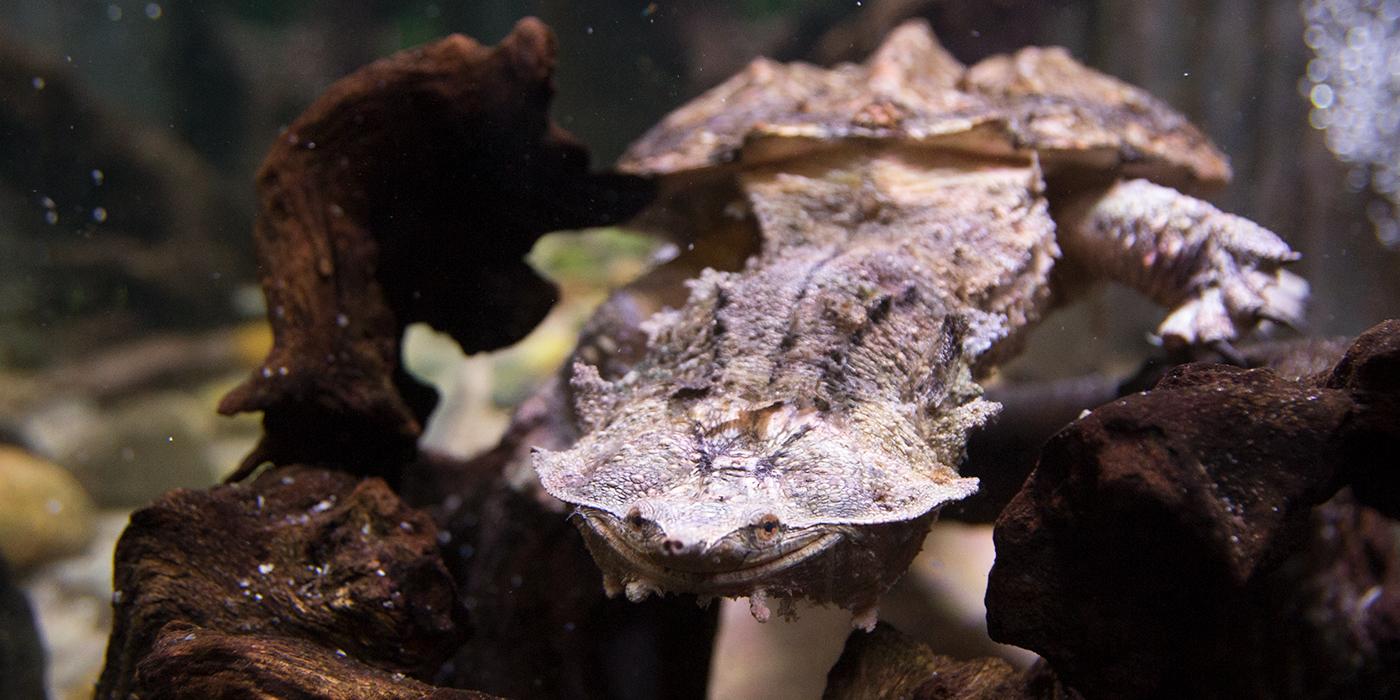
1138	557
1002	453
1326	623
1370	372
44	512
886	664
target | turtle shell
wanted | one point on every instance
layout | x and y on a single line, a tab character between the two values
912	90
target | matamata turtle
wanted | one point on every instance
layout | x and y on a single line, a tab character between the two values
789	426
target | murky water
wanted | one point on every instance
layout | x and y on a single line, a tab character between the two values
131	132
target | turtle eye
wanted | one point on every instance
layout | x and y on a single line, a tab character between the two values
634	517
767	527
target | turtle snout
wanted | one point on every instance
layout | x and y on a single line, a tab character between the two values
691	555
675	547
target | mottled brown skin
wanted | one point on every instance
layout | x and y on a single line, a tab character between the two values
793	427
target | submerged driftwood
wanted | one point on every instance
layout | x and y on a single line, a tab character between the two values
409	192
1224	525
331	565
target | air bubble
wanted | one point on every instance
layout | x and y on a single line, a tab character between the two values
1321	96
1355	92
1317	70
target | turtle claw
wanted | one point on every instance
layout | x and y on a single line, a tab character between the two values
1222	312
1220	274
758	606
638	591
865	618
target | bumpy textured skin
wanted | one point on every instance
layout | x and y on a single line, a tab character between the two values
829	382
792	429
1219	273
912	91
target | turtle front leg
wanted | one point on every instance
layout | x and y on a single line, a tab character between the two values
1219	274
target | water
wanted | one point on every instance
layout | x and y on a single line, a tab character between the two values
131	133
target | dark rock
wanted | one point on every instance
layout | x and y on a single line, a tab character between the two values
1370	373
300	553
1326	623
410	191
1002	452
1137	556
886	664
21	652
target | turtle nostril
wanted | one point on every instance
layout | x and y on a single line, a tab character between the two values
672	546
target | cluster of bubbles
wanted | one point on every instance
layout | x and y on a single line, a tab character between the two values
153	11
50	207
1353	83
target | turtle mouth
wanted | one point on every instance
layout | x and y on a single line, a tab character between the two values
725	565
